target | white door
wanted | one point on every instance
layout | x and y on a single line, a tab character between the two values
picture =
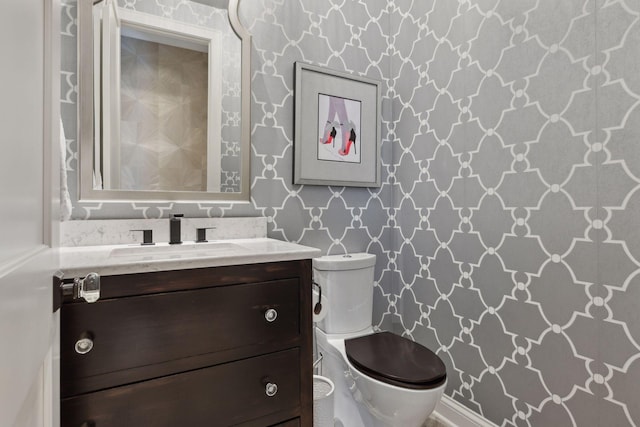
27	182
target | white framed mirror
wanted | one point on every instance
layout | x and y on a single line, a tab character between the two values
164	93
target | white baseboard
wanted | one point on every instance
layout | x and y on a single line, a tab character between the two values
454	414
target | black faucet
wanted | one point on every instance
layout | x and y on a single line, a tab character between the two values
175	235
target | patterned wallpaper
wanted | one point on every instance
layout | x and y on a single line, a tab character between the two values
517	201
506	227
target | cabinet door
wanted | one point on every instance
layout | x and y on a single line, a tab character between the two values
152	329
222	395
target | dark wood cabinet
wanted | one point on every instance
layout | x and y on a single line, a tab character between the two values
216	346
290	423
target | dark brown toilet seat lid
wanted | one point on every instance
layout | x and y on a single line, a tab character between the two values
395	360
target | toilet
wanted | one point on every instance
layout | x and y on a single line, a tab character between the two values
381	379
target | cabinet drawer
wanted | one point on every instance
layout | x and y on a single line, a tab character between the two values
290	423
221	395
152	329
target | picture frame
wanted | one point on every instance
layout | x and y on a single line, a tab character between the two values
337	128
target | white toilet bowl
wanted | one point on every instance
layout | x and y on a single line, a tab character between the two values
363	401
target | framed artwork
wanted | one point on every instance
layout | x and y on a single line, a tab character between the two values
337	128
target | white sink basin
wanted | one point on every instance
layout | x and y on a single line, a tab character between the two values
185	250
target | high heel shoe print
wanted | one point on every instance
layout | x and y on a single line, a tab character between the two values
352	141
331	137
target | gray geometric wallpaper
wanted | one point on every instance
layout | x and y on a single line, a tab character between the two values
517	202
507	227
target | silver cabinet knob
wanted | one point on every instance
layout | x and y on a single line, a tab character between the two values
271	389
84	344
271	315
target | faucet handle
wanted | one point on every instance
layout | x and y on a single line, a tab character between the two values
147	237
175	233
202	234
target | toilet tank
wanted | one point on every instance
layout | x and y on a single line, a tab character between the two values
347	285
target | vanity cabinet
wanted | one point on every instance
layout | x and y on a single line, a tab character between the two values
214	346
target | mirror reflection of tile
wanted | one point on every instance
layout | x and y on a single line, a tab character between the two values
163	117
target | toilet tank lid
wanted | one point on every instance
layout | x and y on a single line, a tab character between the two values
344	262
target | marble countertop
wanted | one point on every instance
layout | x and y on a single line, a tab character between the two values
126	259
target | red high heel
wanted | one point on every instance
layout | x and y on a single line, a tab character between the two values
352	141
331	137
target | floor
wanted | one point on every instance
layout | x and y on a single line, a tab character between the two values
435	422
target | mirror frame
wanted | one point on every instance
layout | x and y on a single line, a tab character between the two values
86	130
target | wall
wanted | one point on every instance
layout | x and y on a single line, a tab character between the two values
351	37
517	202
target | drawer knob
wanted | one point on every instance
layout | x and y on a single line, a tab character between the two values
84	344
271	315
271	389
